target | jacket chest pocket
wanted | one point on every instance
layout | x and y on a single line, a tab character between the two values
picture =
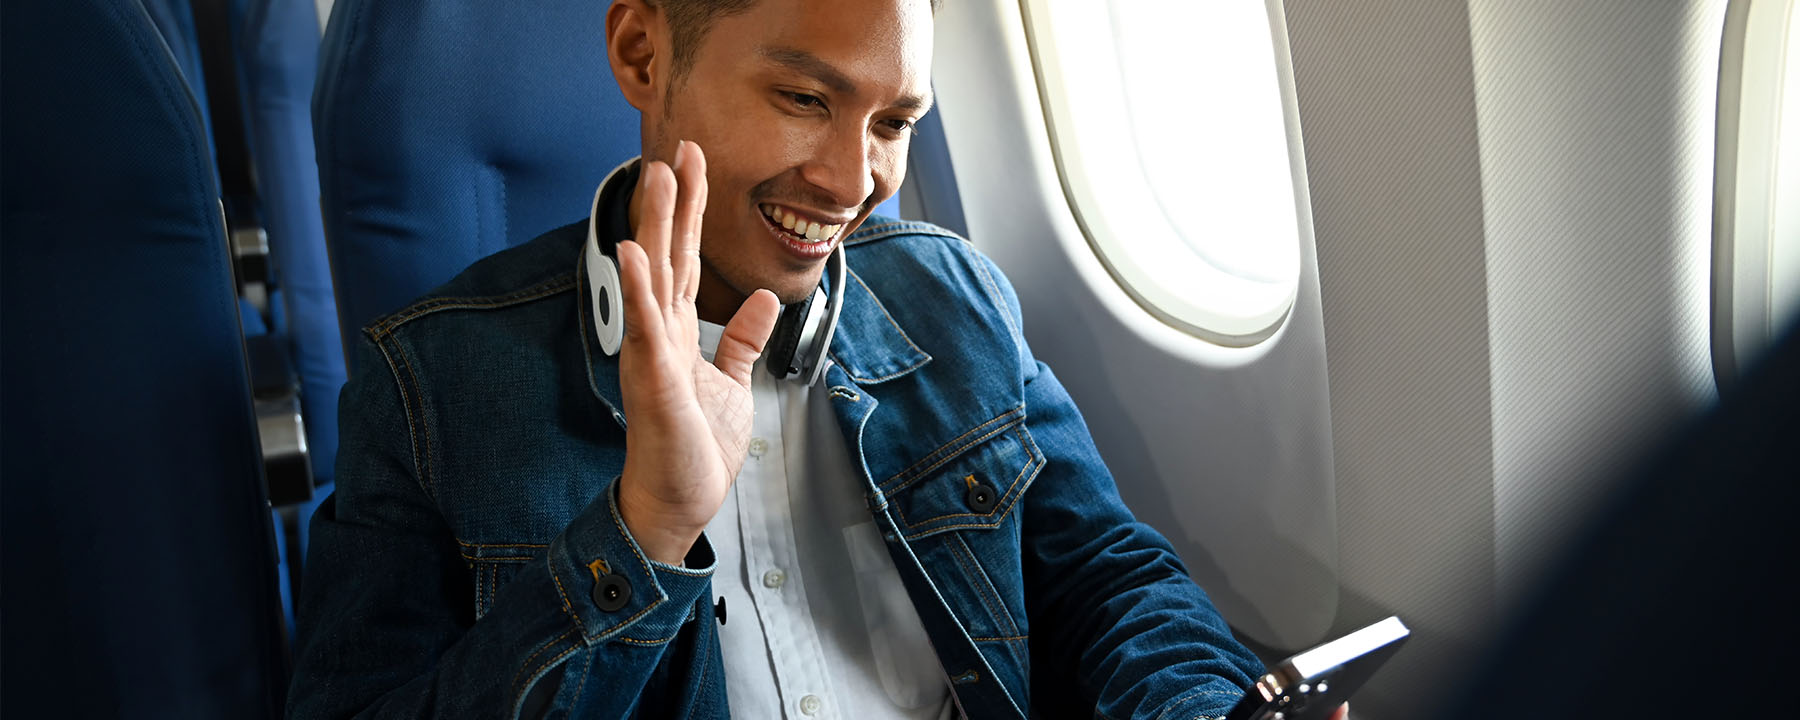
974	489
958	515
491	567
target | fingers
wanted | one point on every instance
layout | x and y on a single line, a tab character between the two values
745	336
643	314
690	205
655	223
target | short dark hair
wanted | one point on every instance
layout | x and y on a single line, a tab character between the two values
689	20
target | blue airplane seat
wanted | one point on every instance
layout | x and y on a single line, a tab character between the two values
278	46
139	559
448	131
174	21
277	43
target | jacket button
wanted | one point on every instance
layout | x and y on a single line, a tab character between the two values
982	497
611	592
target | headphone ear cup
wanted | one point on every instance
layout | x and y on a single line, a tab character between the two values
779	355
606	298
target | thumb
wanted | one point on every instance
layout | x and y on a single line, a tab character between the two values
745	336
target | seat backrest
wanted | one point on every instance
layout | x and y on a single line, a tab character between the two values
448	131
139	559
278	48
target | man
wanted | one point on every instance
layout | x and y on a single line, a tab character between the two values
526	526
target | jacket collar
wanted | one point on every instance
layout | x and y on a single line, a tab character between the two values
869	344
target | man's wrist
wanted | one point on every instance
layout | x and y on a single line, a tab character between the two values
664	541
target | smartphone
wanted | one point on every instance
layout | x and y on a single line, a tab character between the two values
1311	685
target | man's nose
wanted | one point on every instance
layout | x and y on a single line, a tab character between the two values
841	168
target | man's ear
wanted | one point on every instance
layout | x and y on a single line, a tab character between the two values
635	34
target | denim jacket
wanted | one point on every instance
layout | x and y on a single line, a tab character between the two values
472	561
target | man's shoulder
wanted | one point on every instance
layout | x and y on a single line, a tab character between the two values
919	263
884	238
538	269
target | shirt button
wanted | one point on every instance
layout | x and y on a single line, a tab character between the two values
774	578
758	446
811	704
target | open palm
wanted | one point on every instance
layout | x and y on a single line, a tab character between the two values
689	419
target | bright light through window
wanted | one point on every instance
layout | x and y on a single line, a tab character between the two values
1169	130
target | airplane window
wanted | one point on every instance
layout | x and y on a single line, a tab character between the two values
1757	197
1169	130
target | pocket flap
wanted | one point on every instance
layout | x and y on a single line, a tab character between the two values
974	489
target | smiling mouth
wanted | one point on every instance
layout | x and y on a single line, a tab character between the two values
799	230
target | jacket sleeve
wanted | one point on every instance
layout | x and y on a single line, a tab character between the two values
386	627
1110	594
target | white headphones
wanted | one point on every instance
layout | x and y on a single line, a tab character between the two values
796	349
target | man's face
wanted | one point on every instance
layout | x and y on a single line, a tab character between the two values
804	109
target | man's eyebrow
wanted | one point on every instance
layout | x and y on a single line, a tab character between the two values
811	65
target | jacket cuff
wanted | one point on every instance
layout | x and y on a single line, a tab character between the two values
613	591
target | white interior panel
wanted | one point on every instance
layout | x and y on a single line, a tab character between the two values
1597	146
1225	450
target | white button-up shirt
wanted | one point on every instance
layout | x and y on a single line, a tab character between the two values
818	624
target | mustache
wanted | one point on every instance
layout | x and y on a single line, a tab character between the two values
788	188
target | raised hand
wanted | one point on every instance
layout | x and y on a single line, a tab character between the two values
689	419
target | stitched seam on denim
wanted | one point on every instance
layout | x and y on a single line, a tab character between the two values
953	450
1191	694
1008	639
477	579
542	289
538	546
520	691
495	559
1033	466
891	323
998	513
705	679
568	608
425	470
586	670
690	572
493	586
898	228
995	297
620	523
638	641
984	585
412	425
524	676
872	232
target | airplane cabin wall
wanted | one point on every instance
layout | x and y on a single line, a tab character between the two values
1510	206
1227	451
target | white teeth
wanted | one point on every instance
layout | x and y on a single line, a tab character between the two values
811	231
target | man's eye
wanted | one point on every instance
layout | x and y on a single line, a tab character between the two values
900	125
804	101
